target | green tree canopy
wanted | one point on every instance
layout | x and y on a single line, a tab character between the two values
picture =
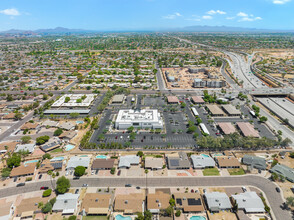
80	171
62	185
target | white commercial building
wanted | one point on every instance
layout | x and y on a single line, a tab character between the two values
75	100
146	118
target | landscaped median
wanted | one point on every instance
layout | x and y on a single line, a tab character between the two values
210	172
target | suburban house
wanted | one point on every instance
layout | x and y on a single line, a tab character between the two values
284	171
250	202
28	207
154	163
6	211
254	162
48	165
189	202
157	201
102	164
67	126
76	161
49	123
7	146
179	160
66	203
228	162
25	147
23	170
128	161
68	135
51	144
29	126
217	201
129	203
202	161
96	204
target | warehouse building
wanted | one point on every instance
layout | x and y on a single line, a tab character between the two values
172	100
215	110
247	129
145	118
118	99
226	127
231	110
197	100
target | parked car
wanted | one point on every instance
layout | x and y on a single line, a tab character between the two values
77	191
244	189
85	185
278	189
20	184
40	176
138	187
44	188
128	185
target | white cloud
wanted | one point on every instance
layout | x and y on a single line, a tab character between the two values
281	2
213	12
230	18
206	17
242	14
10	11
193	19
172	16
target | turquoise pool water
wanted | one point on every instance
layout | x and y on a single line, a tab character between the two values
57	159
31	161
101	157
80	122
197	217
120	217
69	147
218	154
204	155
84	156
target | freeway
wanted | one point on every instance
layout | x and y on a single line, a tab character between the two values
261	183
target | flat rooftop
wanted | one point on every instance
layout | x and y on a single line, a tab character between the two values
247	129
227	127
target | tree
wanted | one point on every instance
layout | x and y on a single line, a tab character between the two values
286	142
192	129
172	202
112	171
62	185
14	160
178	213
169	211
183	105
25	139
47	192
17	116
47	207
290	201
80	171
132	136
73	217
46	156
42	139
263	119
130	129
140	154
58	132
5	172
67	99
291	155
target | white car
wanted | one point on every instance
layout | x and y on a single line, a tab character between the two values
66	174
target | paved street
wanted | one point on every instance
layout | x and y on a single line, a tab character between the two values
265	185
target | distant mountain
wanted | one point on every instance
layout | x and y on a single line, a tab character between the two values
205	28
199	28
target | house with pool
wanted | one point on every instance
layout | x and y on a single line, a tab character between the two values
129	204
217	201
76	161
189	202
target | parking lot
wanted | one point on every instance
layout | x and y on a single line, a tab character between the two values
175	119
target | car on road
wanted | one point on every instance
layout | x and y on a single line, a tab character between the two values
76	178
66	174
128	185
20	184
278	189
118	173
244	189
77	191
138	187
44	188
40	176
85	185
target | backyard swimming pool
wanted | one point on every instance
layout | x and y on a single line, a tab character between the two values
101	157
80	122
31	161
120	217
69	147
204	155
197	217
57	159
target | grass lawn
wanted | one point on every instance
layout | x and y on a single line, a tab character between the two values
210	172
95	218
236	171
57	150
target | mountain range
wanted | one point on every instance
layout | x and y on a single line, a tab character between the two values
199	28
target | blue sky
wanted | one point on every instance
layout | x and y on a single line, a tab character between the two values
145	14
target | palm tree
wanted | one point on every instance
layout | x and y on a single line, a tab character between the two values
290	201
